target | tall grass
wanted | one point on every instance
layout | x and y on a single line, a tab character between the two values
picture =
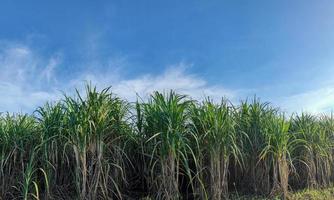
252	129
95	145
165	128
279	145
51	124
316	156
95	128
214	127
19	145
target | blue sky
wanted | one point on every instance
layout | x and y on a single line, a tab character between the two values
282	51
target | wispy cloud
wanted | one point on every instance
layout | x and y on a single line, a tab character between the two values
313	101
48	72
23	78
28	80
15	98
174	77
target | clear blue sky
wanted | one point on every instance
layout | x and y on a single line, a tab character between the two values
282	51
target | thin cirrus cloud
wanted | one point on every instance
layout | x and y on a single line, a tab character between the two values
22	79
314	101
29	80
174	77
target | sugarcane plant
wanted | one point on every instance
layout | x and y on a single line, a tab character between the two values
95	127
214	126
95	145
280	144
167	144
316	155
251	131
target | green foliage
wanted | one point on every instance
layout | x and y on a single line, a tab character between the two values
167	140
98	146
214	127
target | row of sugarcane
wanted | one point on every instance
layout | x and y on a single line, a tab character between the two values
99	146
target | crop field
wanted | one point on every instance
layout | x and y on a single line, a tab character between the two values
95	145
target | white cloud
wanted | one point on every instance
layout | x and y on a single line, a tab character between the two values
174	77
16	64
14	98
314	101
28	80
23	78
48	72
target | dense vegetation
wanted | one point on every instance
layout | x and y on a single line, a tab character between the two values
99	146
